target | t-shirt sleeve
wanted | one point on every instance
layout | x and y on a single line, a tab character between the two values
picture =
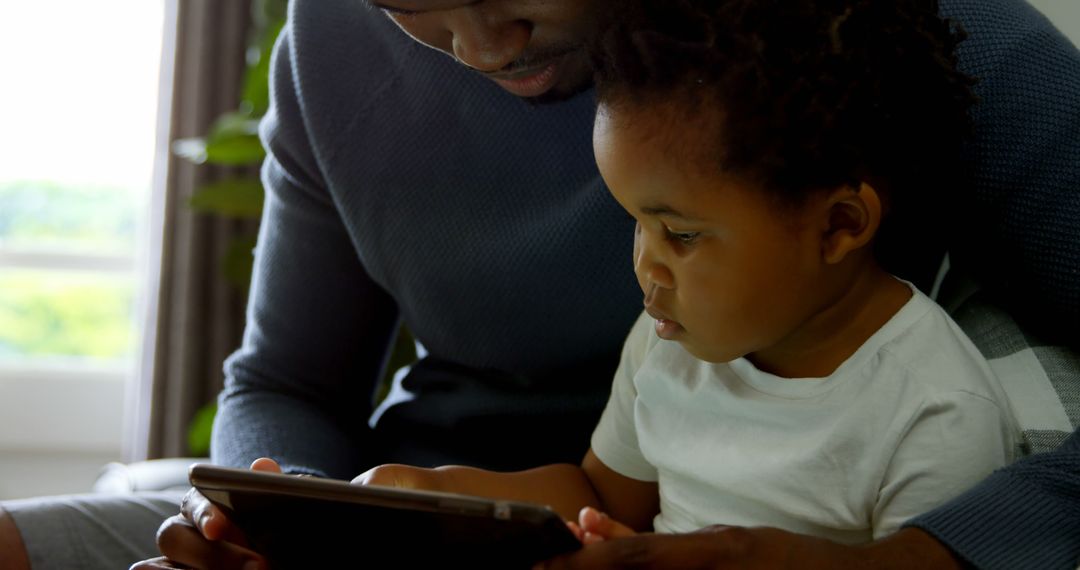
614	442
955	441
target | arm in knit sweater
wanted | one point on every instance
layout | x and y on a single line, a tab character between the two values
318	328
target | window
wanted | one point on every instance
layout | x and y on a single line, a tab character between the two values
77	146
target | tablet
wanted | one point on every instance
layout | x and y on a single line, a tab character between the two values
308	522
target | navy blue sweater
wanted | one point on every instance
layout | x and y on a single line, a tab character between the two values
404	187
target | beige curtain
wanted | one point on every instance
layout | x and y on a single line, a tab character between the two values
194	317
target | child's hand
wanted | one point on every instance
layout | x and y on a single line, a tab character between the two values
594	526
403	476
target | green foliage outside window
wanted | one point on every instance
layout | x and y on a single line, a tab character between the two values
47	215
71	314
64	315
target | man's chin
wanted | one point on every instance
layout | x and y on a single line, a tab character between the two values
575	80
558	95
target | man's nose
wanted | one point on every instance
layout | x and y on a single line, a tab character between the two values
486	40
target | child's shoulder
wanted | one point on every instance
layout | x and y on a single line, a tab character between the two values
931	354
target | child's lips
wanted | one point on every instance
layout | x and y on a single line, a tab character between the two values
666	328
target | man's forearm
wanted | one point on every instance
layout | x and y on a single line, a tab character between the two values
298	434
910	548
1022	516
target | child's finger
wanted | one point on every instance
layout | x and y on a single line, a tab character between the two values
265	464
598	523
574	528
591	538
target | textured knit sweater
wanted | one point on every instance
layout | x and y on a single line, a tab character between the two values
402	187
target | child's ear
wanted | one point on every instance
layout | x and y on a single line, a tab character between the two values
854	216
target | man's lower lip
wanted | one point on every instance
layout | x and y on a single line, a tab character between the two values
666	329
533	85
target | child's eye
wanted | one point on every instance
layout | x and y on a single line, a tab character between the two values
683	238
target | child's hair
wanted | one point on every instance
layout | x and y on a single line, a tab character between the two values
812	94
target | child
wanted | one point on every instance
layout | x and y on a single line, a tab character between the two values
779	376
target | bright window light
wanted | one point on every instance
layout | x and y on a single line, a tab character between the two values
78	113
77	131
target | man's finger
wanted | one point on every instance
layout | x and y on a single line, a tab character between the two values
618	553
645	551
202	513
182	544
208	519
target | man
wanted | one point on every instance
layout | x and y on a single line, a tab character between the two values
404	184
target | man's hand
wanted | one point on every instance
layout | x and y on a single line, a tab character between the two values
724	548
202	538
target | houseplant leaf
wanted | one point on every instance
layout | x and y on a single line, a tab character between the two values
232	197
238	260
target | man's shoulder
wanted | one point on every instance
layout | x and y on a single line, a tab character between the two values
330	19
992	15
345	39
361	85
1000	30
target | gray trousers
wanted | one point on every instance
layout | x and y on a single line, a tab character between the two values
92	532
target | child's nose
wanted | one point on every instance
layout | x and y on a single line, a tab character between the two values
650	269
657	275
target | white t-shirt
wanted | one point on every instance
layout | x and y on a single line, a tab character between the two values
912	419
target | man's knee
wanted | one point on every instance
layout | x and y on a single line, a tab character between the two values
12	551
